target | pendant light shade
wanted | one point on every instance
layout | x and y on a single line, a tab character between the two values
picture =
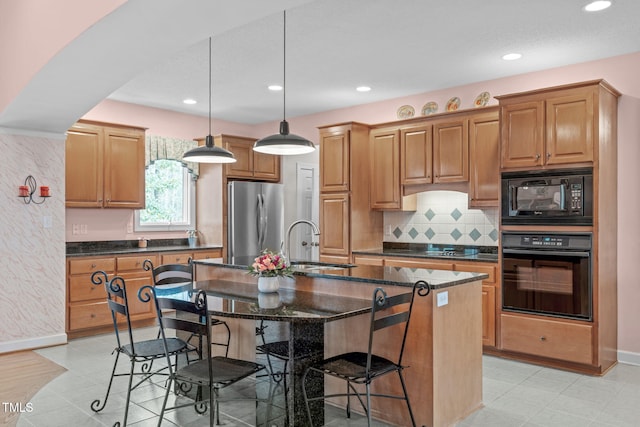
284	143
209	153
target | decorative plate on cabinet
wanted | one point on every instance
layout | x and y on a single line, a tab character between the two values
429	108
453	104
406	112
482	99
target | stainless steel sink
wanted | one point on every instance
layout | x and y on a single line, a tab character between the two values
317	266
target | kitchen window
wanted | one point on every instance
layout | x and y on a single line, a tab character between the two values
170	198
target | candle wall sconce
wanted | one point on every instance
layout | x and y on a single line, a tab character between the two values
27	191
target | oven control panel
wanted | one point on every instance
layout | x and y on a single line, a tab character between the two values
577	241
544	241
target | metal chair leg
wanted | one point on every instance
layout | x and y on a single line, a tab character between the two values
406	397
164	404
95	405
126	406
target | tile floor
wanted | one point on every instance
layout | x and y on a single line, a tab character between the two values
515	394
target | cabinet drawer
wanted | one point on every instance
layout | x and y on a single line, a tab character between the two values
365	260
132	263
82	289
82	265
541	337
216	253
89	316
176	258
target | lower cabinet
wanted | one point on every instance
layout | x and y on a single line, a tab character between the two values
562	340
489	285
87	312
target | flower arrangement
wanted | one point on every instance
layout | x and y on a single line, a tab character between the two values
270	264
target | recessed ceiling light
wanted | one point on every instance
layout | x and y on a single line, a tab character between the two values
511	56
598	5
363	88
189	101
275	87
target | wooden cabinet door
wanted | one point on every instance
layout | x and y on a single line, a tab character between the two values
384	180
266	166
484	164
335	224
83	167
569	126
124	172
451	151
522	131
488	315
243	152
416	155
334	161
134	282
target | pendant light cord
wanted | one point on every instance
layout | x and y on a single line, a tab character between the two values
284	66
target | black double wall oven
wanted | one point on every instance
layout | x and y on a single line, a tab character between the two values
547	272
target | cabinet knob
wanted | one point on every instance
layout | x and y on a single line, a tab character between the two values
537	156
548	155
93	266
543	338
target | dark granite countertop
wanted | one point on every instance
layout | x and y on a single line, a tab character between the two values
115	247
395	276
433	251
242	300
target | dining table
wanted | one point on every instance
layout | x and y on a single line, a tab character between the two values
304	312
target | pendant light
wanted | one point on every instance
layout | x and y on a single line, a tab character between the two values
284	143
209	153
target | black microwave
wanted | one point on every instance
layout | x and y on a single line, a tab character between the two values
553	197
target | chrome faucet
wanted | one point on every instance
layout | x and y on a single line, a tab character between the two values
316	231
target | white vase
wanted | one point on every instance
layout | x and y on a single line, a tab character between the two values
268	300
268	284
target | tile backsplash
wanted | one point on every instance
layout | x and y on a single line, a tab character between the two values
442	217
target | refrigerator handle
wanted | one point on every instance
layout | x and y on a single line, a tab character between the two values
258	221
261	222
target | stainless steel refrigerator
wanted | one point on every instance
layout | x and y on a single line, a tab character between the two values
255	220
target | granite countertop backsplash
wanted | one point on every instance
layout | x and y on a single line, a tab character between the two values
438	251
111	247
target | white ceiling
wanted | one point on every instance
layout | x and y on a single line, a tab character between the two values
397	47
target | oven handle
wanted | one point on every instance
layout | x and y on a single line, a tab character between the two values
545	252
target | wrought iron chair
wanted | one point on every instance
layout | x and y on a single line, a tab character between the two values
139	352
211	373
364	368
166	275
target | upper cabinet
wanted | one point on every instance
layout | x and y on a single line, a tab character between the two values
416	152
444	151
249	164
384	160
104	166
334	159
552	127
484	164
451	150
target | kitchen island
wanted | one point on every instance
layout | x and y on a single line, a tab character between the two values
444	347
